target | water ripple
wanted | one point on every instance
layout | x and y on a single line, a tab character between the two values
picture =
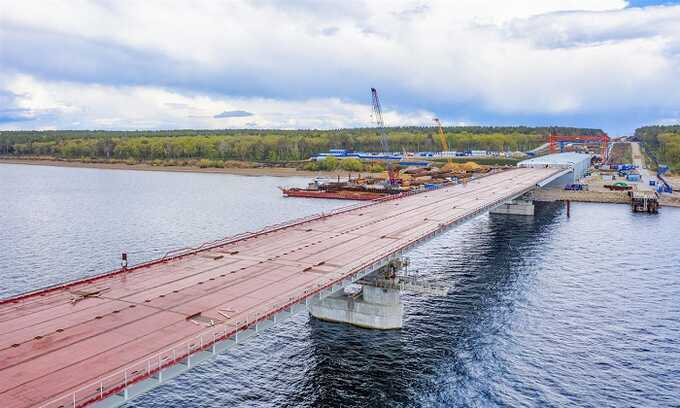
543	311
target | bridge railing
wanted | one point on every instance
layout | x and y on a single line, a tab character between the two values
150	366
181	352
178	253
182	252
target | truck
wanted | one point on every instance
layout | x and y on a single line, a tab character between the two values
576	187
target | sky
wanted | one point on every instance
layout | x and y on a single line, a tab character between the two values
152	64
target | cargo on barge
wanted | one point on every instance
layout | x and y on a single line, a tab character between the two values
336	195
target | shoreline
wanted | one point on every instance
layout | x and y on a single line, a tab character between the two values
248	171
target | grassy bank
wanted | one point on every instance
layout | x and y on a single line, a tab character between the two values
126	165
331	164
621	153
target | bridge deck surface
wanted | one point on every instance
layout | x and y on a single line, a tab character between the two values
54	342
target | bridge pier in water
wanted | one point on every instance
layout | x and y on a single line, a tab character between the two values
518	206
371	308
377	305
248	283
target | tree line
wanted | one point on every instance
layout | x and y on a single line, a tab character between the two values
263	145
663	142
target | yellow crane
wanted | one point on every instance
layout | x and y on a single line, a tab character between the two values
442	139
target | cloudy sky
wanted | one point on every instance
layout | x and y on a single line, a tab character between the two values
150	64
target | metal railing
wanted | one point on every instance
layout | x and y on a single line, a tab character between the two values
147	367
182	252
178	253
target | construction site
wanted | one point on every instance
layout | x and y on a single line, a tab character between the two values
622	178
108	338
603	171
399	177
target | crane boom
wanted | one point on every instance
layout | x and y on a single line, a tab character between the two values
392	172
377	112
442	138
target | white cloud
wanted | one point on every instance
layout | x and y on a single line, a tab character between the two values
84	106
467	57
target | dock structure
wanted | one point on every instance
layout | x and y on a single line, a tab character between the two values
103	340
644	201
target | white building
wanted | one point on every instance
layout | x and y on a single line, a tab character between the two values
578	161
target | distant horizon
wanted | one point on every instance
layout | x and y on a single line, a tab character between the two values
304	129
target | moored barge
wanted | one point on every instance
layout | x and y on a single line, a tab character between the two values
336	195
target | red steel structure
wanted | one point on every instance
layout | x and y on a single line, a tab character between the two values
105	339
555	142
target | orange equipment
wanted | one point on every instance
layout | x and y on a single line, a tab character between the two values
442	139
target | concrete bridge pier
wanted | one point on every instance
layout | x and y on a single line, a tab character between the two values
376	305
519	206
371	308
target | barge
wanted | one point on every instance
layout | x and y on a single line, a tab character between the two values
345	190
337	195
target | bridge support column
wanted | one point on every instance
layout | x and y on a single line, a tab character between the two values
372	308
519	206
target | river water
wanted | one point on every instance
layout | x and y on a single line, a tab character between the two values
543	310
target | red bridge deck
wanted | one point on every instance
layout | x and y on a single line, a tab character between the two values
96	335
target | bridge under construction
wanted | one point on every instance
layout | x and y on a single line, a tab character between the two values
103	340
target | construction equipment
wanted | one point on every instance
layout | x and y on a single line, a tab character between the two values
557	142
392	171
664	186
442	139
618	186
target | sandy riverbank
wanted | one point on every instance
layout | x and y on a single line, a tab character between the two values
255	171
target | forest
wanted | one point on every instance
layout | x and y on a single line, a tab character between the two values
661	142
266	146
